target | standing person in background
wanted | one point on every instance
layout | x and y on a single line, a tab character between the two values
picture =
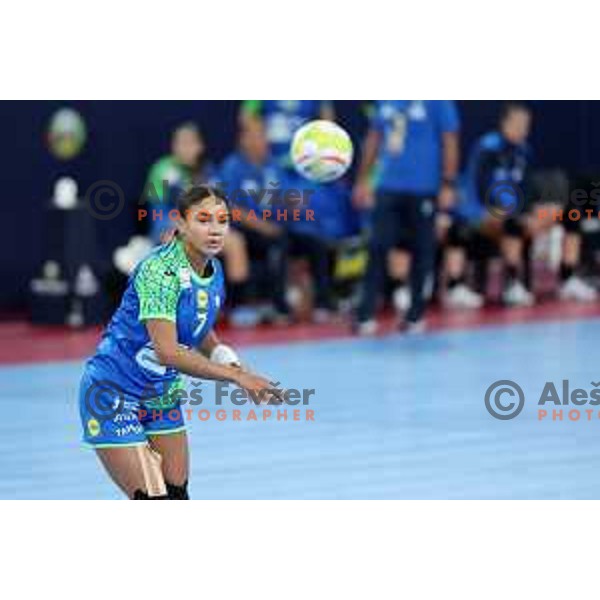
413	145
281	119
172	174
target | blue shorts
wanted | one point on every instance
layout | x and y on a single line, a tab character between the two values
111	417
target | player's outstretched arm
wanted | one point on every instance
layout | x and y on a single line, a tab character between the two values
215	350
163	334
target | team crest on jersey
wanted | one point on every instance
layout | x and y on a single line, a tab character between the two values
202	300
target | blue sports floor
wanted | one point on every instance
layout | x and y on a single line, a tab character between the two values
395	418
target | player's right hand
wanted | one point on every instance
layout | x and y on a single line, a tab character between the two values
258	387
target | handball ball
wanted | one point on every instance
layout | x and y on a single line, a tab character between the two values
321	151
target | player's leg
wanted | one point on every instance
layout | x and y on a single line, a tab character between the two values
572	285
165	429
112	428
237	267
512	248
175	463
421	214
136	470
399	271
383	235
458	293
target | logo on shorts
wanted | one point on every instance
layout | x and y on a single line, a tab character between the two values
93	427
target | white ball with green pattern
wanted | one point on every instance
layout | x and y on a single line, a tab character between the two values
321	151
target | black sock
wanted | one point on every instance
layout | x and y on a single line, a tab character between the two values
454	281
566	271
141	495
177	492
511	274
237	293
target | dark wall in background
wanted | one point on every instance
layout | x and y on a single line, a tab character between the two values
124	138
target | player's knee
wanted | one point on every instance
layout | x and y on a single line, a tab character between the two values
177	492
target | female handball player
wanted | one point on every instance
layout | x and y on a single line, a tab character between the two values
162	328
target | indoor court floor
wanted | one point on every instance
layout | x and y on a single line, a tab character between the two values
395	417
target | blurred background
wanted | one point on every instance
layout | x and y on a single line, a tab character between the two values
65	259
121	141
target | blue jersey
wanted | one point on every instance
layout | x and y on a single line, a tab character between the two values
496	169
282	118
410	154
163	286
239	177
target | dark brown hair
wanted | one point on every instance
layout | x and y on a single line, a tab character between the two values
197	194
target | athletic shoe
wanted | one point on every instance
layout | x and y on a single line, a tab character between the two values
575	288
366	328
321	316
401	299
516	294
413	327
244	316
461	296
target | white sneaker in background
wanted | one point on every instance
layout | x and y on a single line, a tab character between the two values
366	328
575	288
413	327
516	294
321	316
461	296
401	299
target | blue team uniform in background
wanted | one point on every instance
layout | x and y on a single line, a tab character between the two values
494	167
409	159
238	176
282	118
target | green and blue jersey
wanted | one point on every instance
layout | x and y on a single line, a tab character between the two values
163	286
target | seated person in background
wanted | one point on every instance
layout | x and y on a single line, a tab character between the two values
253	242
489	208
552	206
498	172
318	238
281	119
171	174
451	270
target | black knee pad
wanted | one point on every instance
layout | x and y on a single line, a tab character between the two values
141	495
177	492
513	228
458	235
